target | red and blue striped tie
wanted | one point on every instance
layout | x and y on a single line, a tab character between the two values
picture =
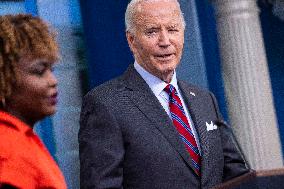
182	125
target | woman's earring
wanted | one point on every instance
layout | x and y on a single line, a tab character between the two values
3	101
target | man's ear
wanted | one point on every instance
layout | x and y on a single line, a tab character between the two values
130	40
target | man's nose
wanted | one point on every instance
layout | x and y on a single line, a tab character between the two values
164	39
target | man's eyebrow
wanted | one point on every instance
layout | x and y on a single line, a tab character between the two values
173	25
152	27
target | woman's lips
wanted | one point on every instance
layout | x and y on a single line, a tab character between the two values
53	99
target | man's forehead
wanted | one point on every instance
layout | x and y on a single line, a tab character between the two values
140	1
150	24
140	4
167	15
155	7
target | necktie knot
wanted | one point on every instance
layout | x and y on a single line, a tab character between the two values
170	89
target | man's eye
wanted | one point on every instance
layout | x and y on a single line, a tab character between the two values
173	30
151	32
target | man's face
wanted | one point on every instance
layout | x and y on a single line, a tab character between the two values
158	37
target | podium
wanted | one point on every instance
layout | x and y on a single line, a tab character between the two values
264	179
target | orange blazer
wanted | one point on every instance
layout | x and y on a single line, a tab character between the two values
24	160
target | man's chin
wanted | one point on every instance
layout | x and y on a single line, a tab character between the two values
166	75
168	70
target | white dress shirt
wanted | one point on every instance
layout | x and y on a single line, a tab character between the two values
157	86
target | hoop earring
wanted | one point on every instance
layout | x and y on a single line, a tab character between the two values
3	101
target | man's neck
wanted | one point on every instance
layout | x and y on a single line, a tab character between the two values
166	76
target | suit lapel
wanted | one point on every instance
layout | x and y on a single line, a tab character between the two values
193	103
142	96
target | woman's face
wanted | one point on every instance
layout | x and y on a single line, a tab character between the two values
35	94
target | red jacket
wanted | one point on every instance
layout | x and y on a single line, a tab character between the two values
24	160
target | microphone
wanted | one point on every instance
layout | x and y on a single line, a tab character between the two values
222	123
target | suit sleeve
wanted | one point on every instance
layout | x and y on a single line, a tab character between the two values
234	165
101	147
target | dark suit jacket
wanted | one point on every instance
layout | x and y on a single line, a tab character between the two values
127	139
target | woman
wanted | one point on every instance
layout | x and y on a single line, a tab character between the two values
28	93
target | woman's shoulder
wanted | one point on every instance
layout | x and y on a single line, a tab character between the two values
15	168
15	143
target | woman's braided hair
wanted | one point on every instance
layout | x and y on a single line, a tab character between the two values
22	35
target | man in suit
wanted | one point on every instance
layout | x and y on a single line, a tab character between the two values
146	129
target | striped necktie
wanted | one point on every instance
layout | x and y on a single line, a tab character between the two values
182	125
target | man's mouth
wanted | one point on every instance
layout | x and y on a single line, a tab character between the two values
165	57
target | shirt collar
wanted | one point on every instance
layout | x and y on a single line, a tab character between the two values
15	123
156	84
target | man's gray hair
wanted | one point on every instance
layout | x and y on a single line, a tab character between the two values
131	10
